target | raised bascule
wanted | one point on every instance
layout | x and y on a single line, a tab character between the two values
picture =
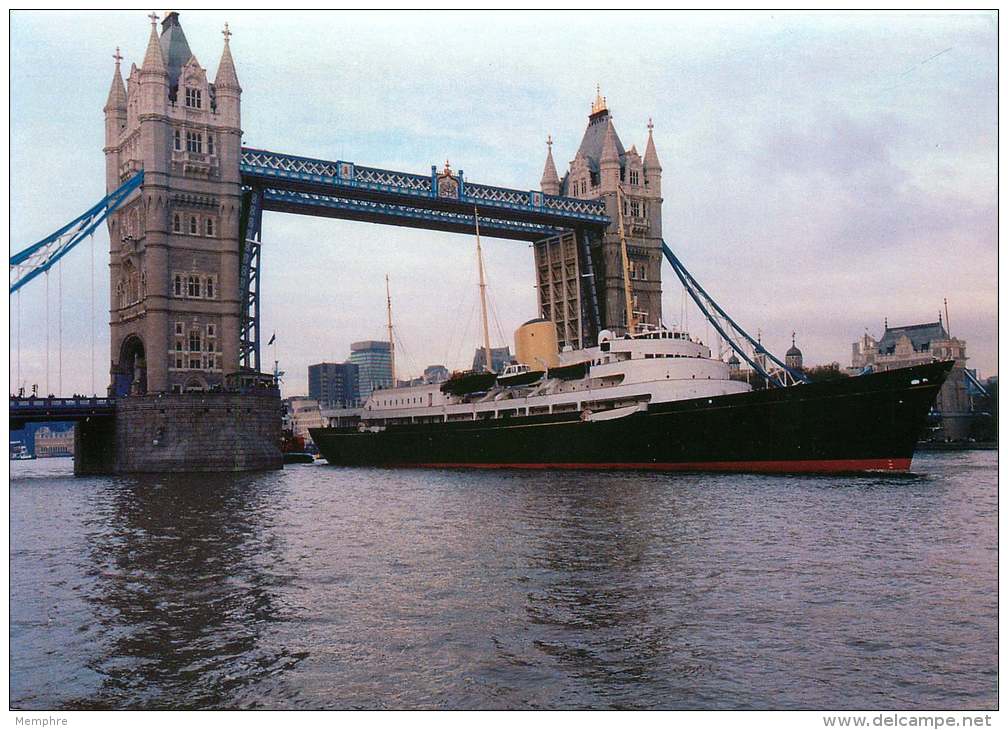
184	210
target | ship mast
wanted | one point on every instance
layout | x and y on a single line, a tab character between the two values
391	341
482	284
627	295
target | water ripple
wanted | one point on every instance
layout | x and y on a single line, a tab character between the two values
320	587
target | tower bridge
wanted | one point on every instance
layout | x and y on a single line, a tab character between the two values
184	212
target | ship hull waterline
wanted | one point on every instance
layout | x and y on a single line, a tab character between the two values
862	424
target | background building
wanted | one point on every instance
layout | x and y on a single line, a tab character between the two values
373	359
52	442
435	374
793	357
499	357
901	347
334	384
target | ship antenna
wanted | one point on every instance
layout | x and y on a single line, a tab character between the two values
948	329
391	341
626	264
482	285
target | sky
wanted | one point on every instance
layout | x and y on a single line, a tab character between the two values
821	172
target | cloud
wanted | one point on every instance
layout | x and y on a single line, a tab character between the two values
821	171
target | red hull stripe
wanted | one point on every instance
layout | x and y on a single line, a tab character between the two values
809	466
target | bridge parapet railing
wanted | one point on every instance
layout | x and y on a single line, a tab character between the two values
30	403
506	197
511	198
278	165
575	206
392	180
273	164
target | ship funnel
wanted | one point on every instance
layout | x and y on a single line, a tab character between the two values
536	344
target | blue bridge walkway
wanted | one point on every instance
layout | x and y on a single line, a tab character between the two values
23	410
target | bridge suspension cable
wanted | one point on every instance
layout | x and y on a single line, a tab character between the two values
59	327
47	331
40	257
93	391
18	385
716	315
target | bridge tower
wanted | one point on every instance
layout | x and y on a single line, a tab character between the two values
599	166
174	310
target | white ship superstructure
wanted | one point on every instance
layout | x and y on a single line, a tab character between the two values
619	376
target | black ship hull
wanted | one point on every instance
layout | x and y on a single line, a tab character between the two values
867	423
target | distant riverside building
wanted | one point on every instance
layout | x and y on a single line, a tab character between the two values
499	357
435	374
49	442
793	357
373	359
901	347
333	384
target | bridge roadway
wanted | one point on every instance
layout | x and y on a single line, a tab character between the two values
23	410
440	201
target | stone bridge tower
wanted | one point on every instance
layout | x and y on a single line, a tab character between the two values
599	166
174	311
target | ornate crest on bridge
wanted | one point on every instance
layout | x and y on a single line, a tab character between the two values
447	184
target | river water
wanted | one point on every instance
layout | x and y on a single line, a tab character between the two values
326	587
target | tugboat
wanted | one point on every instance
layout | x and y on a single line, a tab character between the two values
19	452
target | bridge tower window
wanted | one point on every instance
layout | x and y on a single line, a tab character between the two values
194	142
194	98
209	144
634	177
193	229
178	293
209	288
195	341
194	286
177	223
178	141
209	226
